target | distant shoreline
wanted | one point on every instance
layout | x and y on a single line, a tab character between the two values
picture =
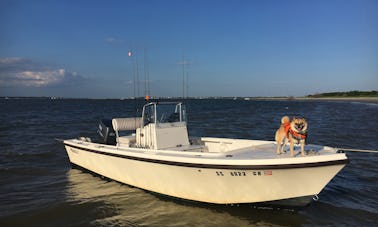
342	99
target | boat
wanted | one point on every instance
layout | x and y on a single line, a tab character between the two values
154	152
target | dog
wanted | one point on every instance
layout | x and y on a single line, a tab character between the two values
294	131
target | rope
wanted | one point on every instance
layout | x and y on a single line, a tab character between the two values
356	150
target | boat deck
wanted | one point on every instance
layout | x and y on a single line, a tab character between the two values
238	152
268	151
264	151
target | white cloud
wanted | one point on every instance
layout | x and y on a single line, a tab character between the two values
21	72
39	79
10	60
184	62
114	41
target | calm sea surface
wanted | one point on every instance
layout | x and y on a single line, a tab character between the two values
38	187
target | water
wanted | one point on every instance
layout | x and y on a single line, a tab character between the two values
38	187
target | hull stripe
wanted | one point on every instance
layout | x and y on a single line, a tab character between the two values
218	166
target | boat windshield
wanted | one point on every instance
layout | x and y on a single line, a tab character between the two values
163	113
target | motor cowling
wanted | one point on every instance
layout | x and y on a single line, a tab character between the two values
106	131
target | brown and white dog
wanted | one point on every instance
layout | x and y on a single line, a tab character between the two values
294	131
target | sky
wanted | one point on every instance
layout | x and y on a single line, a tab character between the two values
249	48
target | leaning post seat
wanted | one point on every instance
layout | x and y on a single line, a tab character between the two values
126	124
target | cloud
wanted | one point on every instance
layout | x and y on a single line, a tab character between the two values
22	72
184	62
7	61
141	82
114	41
38	79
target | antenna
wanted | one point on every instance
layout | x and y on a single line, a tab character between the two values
137	76
135	66
187	83
185	77
131	54
146	77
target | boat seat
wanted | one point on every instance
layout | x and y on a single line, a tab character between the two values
126	124
126	140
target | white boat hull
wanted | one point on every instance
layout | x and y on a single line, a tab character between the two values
229	182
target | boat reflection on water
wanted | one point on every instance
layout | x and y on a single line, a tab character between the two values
112	203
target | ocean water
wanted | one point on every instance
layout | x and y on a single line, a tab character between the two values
38	186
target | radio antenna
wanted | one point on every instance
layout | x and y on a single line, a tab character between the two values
146	77
185	78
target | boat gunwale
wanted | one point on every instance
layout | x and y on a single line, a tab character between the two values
217	166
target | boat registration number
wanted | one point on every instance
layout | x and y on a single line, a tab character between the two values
244	173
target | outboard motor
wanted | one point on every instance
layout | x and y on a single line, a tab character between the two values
106	131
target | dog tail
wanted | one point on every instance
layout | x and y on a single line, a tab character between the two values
285	120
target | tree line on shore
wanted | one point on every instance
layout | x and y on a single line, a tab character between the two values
345	94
